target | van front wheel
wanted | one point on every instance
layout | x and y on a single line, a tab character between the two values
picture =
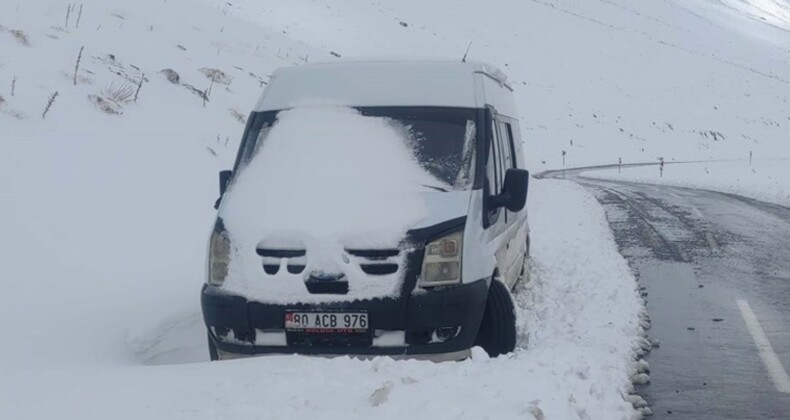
497	333
212	348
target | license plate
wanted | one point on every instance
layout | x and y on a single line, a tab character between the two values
343	323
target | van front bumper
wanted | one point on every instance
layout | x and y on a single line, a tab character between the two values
441	323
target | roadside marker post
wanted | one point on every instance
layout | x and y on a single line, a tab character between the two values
661	167
619	165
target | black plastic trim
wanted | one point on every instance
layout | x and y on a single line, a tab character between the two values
374	253
458	306
280	253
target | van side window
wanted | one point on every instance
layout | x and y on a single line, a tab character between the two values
501	150
511	144
492	166
508	146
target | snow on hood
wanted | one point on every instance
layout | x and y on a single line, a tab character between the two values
327	178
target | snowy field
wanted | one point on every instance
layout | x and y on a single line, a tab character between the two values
106	203
764	180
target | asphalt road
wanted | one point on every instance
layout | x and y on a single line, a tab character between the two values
716	272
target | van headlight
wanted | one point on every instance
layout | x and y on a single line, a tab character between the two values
441	264
218	256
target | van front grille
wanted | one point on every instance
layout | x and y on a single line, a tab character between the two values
374	262
374	254
379	269
377	262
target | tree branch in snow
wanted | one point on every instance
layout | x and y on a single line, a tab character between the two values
68	14
79	16
77	66
211	85
139	86
49	105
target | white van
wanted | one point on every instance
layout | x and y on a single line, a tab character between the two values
374	208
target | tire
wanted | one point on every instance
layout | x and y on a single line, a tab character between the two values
497	334
212	348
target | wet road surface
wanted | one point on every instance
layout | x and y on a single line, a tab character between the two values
697	254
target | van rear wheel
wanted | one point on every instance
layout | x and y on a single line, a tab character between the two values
497	334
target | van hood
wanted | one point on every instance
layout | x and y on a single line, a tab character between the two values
444	206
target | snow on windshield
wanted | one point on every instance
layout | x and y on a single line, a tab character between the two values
326	178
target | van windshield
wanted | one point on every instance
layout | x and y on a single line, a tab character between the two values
442	139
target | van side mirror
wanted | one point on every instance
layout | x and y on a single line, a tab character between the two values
224	180
514	192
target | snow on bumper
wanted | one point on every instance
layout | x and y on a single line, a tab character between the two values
401	326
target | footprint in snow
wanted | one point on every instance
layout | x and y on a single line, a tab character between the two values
381	395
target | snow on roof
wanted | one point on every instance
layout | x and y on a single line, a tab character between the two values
378	83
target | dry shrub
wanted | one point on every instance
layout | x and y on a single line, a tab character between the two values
121	93
200	93
113	97
20	37
104	105
238	115
217	75
171	75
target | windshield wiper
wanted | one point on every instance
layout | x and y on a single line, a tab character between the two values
434	187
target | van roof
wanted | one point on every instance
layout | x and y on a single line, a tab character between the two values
381	83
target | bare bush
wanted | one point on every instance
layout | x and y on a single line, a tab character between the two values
200	93
104	105
217	76
20	37
171	75
238	115
120	93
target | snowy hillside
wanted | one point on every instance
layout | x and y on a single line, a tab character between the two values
602	79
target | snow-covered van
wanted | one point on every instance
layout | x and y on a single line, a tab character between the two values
374	208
